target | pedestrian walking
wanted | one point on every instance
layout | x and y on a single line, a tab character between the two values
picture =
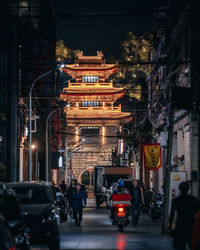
78	201
63	188
148	197
182	217
136	202
71	190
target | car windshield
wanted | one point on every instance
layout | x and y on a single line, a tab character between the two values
29	195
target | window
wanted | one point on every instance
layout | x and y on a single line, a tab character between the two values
90	130
24	8
90	78
28	195
90	104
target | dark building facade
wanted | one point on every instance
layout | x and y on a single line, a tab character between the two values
27	50
174	85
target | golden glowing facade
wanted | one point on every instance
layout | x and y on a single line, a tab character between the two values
92	98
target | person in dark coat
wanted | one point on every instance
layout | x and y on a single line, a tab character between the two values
63	188
183	211
78	201
84	190
136	202
71	189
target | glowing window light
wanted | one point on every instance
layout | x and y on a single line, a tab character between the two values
103	131
91	79
103	135
120	146
60	162
77	134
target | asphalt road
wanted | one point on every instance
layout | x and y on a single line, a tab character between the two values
96	232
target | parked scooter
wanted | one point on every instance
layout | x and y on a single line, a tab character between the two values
156	208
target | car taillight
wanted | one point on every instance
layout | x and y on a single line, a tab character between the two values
12	248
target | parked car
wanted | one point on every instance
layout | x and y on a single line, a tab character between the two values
9	208
61	202
39	212
6	238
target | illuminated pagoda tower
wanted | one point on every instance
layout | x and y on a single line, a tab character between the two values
92	112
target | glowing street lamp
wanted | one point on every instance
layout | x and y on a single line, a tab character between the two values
30	115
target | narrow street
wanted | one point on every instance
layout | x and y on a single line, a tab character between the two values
97	232
99	100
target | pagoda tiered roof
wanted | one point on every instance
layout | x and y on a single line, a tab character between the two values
90	65
83	91
98	94
91	116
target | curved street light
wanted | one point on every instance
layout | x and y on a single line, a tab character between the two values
29	119
30	125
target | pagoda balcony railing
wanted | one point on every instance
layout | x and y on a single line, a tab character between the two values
102	108
90	84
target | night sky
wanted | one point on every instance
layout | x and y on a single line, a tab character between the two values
93	33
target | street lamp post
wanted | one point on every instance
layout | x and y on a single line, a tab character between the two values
36	162
30	125
71	151
46	137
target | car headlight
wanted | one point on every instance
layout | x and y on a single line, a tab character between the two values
50	217
19	239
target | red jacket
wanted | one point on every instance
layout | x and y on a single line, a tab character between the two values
196	233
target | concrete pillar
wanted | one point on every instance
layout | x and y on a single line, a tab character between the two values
187	159
90	179
180	148
194	149
21	161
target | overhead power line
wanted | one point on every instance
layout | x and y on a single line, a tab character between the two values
160	62
159	11
96	135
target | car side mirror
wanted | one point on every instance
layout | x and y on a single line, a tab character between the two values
14	223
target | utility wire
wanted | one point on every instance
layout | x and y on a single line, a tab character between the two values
95	135
156	11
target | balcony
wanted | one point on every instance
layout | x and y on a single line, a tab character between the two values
101	108
90	84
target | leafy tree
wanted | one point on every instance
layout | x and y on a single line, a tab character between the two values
130	74
64	54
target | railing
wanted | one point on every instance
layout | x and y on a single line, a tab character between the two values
103	108
90	84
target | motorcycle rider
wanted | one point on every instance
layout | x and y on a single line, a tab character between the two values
63	188
117	189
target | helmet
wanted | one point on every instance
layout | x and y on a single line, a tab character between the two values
120	183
